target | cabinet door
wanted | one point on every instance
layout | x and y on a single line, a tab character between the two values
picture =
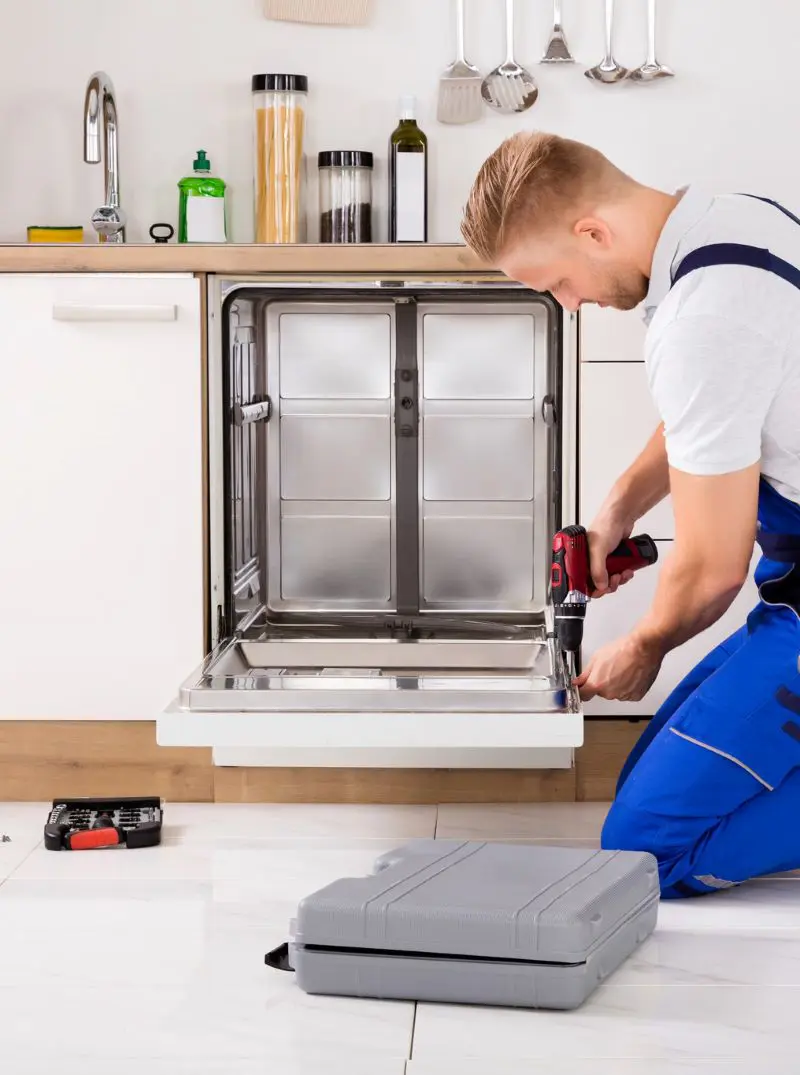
617	418
613	616
611	335
101	487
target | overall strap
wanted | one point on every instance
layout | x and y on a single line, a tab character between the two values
754	257
777	205
783	548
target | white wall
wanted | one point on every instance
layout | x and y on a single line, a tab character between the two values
182	71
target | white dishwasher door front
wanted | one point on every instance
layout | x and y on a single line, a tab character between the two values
101	486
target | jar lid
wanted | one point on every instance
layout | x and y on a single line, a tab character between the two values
280	83
344	158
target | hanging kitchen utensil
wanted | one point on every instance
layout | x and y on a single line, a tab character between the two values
509	88
651	69
608	70
557	50
460	98
321	12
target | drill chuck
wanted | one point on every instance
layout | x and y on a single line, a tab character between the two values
569	628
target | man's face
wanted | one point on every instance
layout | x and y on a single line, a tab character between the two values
581	266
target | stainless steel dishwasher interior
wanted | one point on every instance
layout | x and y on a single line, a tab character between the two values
391	466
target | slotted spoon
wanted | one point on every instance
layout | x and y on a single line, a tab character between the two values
509	88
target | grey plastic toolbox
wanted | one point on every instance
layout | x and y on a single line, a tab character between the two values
517	925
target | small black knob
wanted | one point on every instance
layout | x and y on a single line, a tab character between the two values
168	228
407	403
405	375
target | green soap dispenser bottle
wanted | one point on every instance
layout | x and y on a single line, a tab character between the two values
201	213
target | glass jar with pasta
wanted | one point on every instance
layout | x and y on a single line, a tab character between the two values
279	103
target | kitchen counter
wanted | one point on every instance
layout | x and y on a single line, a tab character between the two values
234	259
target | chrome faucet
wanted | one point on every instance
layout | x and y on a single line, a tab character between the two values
100	110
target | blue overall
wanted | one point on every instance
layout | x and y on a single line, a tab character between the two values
712	788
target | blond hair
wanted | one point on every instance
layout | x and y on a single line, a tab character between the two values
530	178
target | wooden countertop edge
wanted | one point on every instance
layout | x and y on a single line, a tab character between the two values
233	259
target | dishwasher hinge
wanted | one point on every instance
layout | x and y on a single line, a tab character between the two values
258	410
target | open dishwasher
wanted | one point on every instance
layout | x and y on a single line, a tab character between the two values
388	461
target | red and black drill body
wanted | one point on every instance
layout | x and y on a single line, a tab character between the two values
571	584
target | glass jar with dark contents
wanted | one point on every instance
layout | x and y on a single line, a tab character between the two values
345	196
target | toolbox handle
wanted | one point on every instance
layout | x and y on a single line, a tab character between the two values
278	958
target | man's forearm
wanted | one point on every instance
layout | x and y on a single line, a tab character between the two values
715	530
644	484
690	597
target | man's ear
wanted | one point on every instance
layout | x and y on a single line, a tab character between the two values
594	231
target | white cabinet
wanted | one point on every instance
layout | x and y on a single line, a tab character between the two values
617	418
611	335
612	616
101	546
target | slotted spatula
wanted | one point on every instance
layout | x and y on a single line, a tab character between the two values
460	98
557	50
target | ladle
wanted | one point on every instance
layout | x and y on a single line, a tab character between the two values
651	69
608	70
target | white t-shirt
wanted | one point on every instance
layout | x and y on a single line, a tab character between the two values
722	351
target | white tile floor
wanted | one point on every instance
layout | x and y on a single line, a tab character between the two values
153	961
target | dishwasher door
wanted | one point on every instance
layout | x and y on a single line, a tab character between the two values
348	691
387	471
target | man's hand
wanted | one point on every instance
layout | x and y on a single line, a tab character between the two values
623	671
605	533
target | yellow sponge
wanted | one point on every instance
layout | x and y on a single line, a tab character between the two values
40	234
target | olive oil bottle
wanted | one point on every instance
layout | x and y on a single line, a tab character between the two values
408	178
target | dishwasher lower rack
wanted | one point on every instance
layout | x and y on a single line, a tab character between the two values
287	688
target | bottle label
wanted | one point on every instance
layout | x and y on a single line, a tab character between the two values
410	197
205	220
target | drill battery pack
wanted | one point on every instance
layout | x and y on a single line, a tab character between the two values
83	824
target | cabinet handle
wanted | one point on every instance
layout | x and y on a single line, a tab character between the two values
71	311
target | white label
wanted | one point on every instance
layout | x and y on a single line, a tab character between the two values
205	220
410	199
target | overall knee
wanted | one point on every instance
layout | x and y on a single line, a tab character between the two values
628	829
625	829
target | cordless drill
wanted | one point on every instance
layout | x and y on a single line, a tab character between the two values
571	583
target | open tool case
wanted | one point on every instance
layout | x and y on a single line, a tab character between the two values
475	923
83	824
